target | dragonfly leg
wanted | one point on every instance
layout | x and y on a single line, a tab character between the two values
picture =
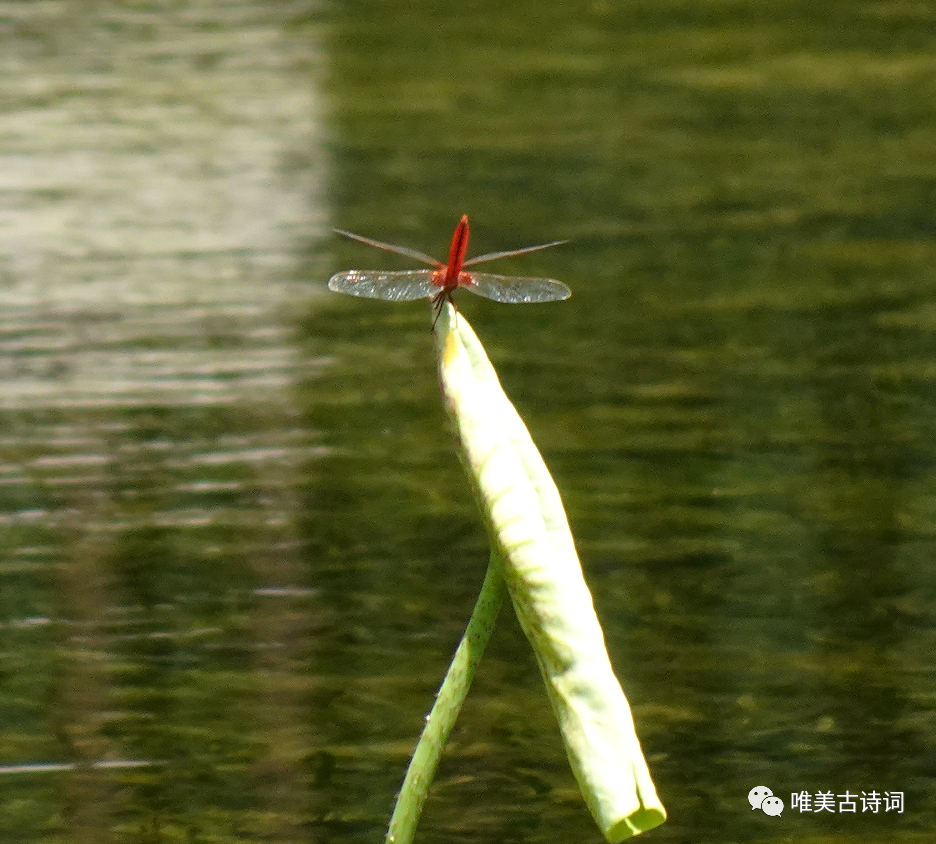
438	301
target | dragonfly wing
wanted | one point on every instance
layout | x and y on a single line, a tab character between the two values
490	256
515	289
390	247
377	284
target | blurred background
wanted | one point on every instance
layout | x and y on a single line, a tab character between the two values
236	546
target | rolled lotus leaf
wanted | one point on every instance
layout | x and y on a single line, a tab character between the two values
530	532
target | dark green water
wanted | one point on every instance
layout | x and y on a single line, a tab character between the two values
234	537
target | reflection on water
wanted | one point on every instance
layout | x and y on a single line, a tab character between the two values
160	182
234	540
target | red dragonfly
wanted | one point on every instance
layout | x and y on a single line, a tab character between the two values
441	282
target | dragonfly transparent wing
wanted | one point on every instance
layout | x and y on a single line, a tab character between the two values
390	247
491	256
514	289
377	284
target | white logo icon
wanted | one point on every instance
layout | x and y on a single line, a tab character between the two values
761	797
772	806
757	794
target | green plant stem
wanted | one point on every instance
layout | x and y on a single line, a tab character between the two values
448	703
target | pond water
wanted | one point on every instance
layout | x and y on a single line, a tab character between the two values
236	546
